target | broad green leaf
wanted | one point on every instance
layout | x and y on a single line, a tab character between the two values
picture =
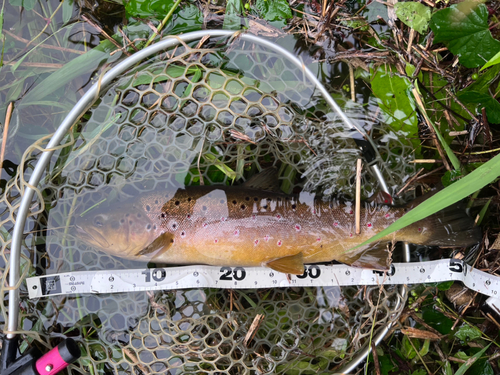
491	105
468	333
272	10
464	29
26	4
482	176
493	61
414	15
407	347
445	285
395	100
465	366
148	8
437	320
447	368
386	365
232	18
374	10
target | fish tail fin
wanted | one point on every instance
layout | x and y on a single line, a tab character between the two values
450	227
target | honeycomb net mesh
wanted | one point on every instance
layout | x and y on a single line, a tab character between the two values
211	114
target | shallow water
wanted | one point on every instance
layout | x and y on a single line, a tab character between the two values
153	144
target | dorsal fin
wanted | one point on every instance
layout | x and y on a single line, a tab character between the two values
265	180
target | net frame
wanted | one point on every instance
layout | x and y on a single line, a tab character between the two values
92	95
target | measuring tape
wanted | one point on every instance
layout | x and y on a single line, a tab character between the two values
134	280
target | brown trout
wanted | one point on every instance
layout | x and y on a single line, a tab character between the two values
250	225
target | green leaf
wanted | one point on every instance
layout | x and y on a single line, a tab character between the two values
445	285
491	105
437	320
493	61
465	366
414	15
67	11
232	18
386	365
419	372
374	10
75	68
393	93
468	333
26	4
148	8
484	81
479	178
463	28
407	347
272	10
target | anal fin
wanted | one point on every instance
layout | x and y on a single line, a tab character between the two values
293	264
163	242
374	256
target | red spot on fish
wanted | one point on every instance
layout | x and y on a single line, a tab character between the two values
335	223
237	232
256	242
351	212
369	225
278	216
254	217
223	219
318	239
216	240
266	238
298	227
188	216
350	234
314	211
279	243
205	225
387	216
420	229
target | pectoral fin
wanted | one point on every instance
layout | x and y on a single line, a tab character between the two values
163	242
374	256
293	264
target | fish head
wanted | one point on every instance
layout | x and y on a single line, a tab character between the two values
123	232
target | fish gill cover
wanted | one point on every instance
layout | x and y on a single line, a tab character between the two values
190	116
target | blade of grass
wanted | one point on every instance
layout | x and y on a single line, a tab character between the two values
465	366
481	214
474	181
454	160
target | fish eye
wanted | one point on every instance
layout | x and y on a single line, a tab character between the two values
98	221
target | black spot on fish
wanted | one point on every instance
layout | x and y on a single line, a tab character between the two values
139	216
148	227
247	198
294	206
148	207
235	203
154	227
163	215
156	201
122	221
189	199
204	208
255	199
172	240
264	207
222	201
177	203
174	225
127	215
243	206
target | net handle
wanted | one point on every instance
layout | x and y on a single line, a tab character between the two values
89	98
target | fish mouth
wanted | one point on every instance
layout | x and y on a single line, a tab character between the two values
94	237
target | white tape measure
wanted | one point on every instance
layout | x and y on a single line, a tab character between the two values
133	280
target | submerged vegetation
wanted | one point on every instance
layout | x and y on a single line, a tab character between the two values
432	68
